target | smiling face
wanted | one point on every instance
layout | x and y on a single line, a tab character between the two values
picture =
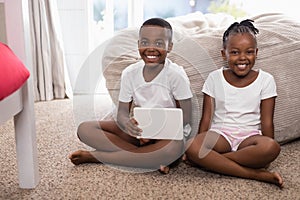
240	53
154	44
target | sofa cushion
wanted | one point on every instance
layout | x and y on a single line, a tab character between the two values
13	73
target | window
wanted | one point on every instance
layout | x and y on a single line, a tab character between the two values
171	8
114	15
133	12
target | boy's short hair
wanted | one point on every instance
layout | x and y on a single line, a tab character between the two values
158	22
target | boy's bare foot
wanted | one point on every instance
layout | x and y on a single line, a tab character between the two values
81	156
188	162
164	169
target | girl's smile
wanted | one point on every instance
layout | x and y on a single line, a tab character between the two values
240	53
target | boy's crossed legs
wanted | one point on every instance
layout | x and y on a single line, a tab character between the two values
113	146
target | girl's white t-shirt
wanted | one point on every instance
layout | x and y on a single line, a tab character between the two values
170	84
238	107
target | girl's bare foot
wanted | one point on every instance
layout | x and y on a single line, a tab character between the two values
81	156
270	177
278	179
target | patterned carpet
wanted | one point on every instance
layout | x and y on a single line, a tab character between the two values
56	123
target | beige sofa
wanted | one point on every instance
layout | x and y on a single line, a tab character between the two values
197	45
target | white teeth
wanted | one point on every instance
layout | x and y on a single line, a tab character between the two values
151	57
242	66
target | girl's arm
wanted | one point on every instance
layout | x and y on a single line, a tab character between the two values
267	107
207	110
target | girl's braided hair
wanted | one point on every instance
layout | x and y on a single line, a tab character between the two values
245	26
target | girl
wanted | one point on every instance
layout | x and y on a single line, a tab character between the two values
236	131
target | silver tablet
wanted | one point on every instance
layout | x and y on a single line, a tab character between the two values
160	123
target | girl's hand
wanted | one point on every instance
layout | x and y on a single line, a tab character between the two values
132	128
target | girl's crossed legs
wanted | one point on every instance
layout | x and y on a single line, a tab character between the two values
213	152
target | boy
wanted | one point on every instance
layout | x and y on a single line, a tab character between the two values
152	82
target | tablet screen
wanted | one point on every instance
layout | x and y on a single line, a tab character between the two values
160	123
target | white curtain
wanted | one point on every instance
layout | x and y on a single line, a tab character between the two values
48	56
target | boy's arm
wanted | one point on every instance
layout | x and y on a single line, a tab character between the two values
127	124
186	106
267	107
207	111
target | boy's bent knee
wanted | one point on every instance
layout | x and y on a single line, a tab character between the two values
80	130
84	128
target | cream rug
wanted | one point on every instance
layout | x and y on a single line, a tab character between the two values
56	123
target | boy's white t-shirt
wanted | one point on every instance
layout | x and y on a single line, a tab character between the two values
238	107
170	84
